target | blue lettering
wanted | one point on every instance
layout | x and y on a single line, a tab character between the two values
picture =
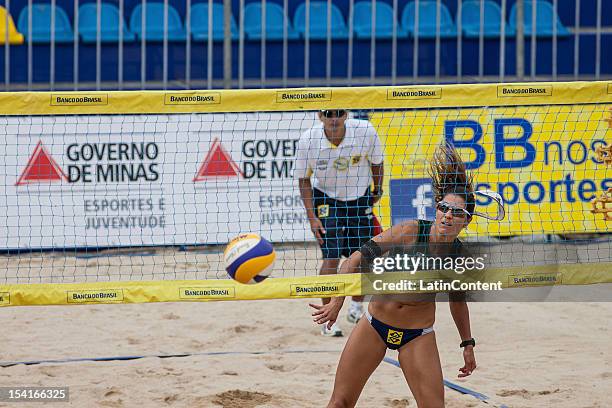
553	190
501	143
568	188
449	134
586	186
583	148
486	200
606	184
502	192
541	192
559	151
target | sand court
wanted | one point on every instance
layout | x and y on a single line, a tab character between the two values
529	355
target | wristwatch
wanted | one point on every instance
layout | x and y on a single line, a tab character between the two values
470	342
377	192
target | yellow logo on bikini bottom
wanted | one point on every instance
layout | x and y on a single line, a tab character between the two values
394	337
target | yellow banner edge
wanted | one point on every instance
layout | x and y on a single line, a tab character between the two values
39	294
253	100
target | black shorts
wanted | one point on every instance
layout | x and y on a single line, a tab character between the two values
348	224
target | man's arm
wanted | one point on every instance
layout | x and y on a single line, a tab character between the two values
306	193
303	171
378	174
376	158
315	223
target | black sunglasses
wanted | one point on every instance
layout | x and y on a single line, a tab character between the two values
333	113
455	211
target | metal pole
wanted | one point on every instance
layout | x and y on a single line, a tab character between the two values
459	41
120	47
263	45
328	46
394	46
554	40
437	57
481	42
577	41
520	39
241	46
209	46
30	54
143	46
533	40
98	44
227	43
7	46
307	44
598	41
415	48
502	48
165	48
188	46
373	44
351	23
52	57
285	41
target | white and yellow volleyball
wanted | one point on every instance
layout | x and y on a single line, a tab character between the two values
249	258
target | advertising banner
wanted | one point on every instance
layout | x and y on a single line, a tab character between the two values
131	180
542	160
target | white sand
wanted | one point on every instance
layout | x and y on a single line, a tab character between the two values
529	355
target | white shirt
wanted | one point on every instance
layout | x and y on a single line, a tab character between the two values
342	172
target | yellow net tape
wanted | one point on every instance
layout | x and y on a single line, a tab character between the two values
279	100
285	288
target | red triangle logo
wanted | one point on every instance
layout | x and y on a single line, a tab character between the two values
41	168
218	163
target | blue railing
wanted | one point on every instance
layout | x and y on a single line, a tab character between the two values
72	44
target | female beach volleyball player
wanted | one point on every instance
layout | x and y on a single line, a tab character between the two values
406	324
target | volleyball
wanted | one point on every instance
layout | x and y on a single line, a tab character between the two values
249	258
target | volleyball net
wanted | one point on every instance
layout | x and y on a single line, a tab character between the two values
113	197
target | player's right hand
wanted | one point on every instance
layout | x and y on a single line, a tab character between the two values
316	226
327	313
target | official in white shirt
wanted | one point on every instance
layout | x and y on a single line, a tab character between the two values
337	163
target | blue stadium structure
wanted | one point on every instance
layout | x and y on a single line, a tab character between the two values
435	24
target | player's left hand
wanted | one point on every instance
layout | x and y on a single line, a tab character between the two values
470	362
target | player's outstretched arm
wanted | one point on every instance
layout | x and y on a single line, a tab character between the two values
461	316
401	234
